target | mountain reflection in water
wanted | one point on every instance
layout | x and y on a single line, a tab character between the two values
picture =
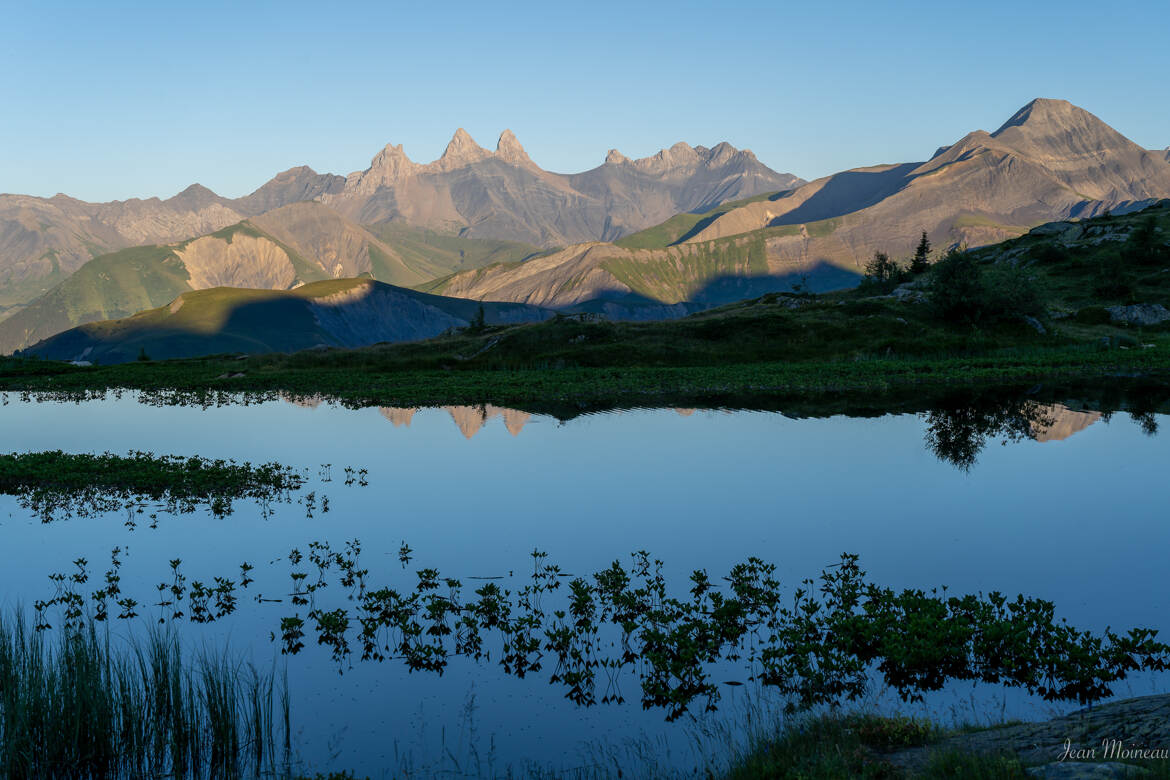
958	427
1062	422
470	419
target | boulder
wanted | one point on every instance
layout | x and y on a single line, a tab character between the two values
1139	314
908	293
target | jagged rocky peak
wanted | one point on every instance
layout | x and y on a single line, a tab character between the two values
390	165
684	156
679	154
390	154
723	153
509	149
461	151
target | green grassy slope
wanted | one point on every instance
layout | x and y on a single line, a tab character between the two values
440	254
1079	269
232	320
675	276
681	226
107	287
860	340
133	280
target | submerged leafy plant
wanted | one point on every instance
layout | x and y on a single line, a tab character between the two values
821	648
56	484
821	645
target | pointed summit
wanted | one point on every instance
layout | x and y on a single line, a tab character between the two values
461	151
1045	111
1056	131
509	149
194	197
389	167
616	158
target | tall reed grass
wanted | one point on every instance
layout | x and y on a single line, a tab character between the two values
82	704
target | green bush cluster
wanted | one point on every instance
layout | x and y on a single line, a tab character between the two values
963	291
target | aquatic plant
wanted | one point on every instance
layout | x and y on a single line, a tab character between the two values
56	484
821	647
822	644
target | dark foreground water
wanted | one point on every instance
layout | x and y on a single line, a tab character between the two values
1074	510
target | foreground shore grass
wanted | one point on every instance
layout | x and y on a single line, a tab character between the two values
82	706
373	377
880	747
855	745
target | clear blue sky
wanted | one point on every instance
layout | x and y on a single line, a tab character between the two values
115	100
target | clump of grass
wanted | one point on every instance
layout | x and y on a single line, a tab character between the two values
837	745
55	482
78	707
829	746
976	766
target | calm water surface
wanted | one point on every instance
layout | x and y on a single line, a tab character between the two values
1078	517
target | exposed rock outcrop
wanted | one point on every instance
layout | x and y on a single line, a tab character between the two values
1088	738
242	261
1142	314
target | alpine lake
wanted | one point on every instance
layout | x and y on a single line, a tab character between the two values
1057	497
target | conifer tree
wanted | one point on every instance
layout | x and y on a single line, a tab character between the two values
921	260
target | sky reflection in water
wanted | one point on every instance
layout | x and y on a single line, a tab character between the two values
1078	518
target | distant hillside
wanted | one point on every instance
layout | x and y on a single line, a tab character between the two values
43	240
469	191
710	273
1050	161
278	250
333	313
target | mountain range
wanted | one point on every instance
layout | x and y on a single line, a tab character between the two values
661	236
1050	161
468	191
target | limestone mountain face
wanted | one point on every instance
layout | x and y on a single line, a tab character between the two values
292	186
244	261
1049	161
337	247
505	195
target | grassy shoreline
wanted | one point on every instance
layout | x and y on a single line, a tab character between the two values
359	378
